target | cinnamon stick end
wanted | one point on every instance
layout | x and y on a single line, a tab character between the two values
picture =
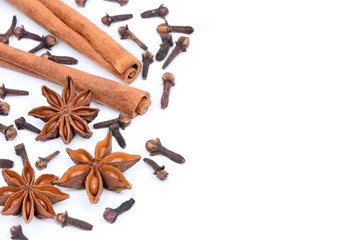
143	106
132	73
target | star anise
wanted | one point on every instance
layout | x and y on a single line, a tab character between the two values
28	196
67	114
105	170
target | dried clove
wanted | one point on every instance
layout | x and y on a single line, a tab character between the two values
4	38
60	59
166	28
21	151
6	163
147	59
115	131
9	131
125	33
154	147
47	41
158	171
111	214
41	163
20	33
11	92
80	3
161	11
4	108
167	42
22	124
65	220
168	82
17	233
122	2
108	20
123	120
181	45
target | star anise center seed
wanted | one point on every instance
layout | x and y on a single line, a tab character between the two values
95	162
66	110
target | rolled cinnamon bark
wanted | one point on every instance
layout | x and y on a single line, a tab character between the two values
102	42
95	43
113	94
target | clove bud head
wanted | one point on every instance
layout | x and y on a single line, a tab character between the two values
124	32
106	20
10	132
163	28
50	41
124	120
41	163
4	108
80	3
46	55
162	174
62	218
110	215
17	233
169	77
163	11
153	146
18	32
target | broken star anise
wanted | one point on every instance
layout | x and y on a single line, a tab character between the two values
67	114
28	196
105	170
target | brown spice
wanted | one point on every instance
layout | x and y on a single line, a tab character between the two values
80	3
41	163
73	28
6	163
11	92
120	59
4	108
166	28
168	82
108	20
161	11
104	170
147	59
47	41
64	220
26	195
123	120
4	38
154	147
68	113
9	132
158	171
20	33
113	94
22	124
115	131
60	59
125	33
111	214
167	42
17	233
181	45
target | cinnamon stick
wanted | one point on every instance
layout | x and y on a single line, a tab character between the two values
101	41
86	37
113	94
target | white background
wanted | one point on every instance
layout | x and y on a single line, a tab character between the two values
265	112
